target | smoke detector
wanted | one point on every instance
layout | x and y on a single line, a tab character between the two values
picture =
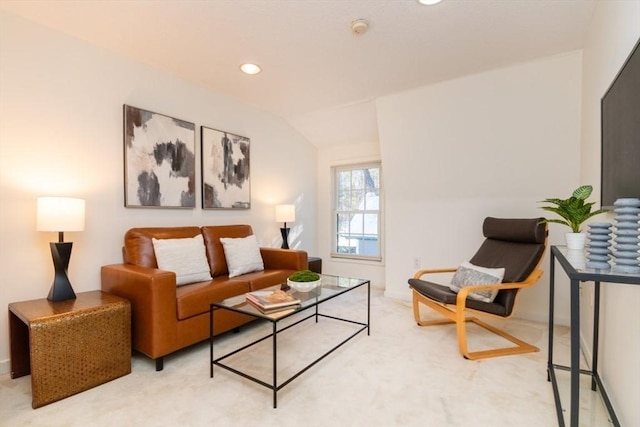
359	26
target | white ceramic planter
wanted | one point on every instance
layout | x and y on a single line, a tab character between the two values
304	286
576	241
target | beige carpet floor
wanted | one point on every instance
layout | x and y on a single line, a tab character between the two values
400	375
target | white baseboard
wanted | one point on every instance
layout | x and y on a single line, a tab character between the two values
402	296
5	366
541	317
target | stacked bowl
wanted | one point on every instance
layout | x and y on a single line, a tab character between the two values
599	241
626	251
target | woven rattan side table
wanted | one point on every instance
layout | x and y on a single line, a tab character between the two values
70	346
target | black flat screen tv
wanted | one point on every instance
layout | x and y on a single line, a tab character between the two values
620	115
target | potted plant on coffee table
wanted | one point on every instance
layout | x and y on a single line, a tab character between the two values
304	280
573	212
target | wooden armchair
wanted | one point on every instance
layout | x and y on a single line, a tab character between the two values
517	246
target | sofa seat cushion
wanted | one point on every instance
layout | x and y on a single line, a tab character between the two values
263	279
194	299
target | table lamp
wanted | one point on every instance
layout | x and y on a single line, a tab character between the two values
285	213
60	214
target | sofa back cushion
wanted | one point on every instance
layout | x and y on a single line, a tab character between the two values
242	255
138	246
215	251
185	257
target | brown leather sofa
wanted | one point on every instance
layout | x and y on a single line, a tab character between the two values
166	317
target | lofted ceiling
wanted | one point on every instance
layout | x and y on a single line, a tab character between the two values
317	73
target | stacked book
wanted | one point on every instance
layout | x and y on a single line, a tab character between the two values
272	301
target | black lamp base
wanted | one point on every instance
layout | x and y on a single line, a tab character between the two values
61	288
285	237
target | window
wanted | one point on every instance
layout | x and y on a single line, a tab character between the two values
357	213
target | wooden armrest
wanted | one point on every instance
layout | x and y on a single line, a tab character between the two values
421	273
464	292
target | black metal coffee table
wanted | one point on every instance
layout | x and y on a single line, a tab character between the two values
331	287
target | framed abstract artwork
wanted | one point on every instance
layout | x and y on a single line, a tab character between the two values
225	170
159	160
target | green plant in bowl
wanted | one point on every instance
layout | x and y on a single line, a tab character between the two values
304	280
304	276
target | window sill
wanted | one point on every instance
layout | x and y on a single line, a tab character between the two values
356	259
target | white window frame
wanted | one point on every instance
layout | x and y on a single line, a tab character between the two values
334	212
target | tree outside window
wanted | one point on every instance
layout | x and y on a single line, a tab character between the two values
357	211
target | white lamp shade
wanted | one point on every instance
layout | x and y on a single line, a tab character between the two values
285	213
60	214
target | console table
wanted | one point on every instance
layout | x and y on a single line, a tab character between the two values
577	275
70	346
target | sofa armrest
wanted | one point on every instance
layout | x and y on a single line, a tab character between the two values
152	294
284	259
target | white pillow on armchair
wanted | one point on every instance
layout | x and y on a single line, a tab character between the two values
468	274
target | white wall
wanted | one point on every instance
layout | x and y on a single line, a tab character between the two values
490	144
452	153
614	30
335	155
61	134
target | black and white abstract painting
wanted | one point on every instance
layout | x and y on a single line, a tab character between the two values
225	170
159	160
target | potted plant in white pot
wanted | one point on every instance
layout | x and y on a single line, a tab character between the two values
304	280
573	211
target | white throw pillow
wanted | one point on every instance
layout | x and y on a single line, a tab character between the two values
185	257
242	254
469	275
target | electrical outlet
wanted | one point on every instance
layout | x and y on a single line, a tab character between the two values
416	262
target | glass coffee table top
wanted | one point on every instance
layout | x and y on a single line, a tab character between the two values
330	287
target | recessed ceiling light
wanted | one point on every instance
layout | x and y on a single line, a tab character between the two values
429	2
250	68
